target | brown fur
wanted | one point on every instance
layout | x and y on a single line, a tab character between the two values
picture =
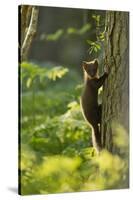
89	100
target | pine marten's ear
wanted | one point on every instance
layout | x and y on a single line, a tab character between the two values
84	64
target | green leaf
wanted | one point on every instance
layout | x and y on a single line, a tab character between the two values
71	30
56	72
28	83
55	36
95	49
97	18
79	31
97	46
84	29
90	42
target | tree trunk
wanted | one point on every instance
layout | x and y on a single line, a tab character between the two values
115	111
28	25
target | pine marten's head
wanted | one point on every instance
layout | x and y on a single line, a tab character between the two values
91	68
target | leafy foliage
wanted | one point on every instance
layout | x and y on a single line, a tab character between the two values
30	72
80	31
65	33
96	45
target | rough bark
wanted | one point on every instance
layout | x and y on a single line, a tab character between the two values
28	20
115	110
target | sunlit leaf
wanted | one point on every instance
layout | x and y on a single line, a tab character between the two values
30	71
80	31
72	104
55	36
71	30
28	83
84	29
96	18
56	72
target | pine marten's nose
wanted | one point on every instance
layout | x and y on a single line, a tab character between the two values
92	73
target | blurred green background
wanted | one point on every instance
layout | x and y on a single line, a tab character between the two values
56	154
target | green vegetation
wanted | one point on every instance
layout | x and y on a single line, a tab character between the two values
65	33
56	152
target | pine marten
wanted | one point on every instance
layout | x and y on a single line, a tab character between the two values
89	100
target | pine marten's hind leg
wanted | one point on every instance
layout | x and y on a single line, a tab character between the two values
96	136
96	128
